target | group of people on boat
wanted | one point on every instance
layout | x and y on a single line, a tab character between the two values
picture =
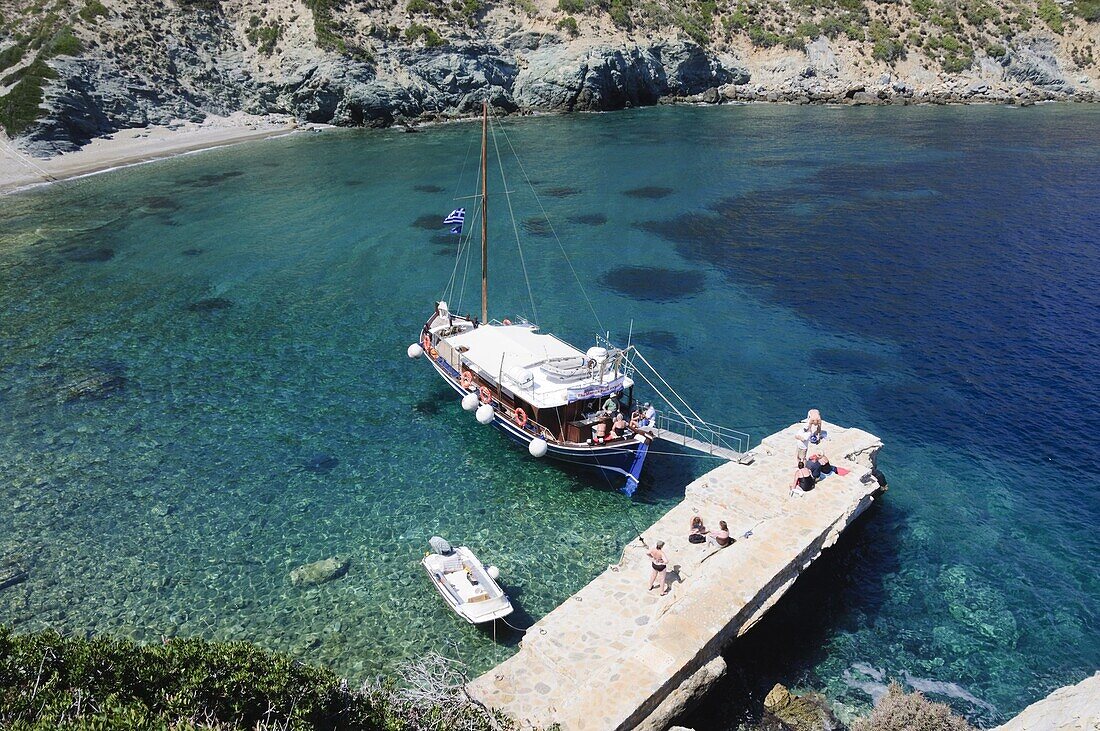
611	424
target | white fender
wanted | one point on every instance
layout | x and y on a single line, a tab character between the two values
415	351
484	414
470	402
537	447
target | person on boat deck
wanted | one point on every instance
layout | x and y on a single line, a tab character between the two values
720	537
618	427
611	406
599	431
698	532
803	478
659	563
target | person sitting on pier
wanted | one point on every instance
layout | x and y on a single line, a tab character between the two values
813	464
803	479
659	563
827	468
720	537
698	532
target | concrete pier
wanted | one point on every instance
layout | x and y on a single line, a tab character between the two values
616	656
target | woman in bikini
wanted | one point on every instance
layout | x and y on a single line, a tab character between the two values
659	562
803	478
698	531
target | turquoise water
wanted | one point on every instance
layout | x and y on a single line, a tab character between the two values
926	274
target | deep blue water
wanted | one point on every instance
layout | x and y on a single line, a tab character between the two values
925	273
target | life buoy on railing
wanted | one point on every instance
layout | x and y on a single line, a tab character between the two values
467	379
433	352
506	322
521	418
427	341
486	395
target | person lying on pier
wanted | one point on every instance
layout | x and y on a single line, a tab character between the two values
698	532
803	479
720	537
813	464
659	563
827	468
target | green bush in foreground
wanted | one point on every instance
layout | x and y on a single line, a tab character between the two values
48	681
901	711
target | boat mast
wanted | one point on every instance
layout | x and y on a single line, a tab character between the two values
484	213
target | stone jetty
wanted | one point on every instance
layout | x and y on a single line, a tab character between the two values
616	656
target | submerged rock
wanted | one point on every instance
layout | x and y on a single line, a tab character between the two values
11	573
809	712
211	304
320	463
90	386
320	572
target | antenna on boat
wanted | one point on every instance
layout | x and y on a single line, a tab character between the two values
484	212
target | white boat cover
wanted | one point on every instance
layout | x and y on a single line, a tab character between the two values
492	350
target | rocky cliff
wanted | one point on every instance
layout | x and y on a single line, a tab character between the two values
71	70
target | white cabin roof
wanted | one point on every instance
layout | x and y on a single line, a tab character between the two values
495	349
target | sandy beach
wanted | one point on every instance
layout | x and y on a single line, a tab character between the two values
135	146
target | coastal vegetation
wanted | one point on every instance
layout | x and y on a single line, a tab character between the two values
51	681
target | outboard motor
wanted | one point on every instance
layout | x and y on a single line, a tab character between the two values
440	546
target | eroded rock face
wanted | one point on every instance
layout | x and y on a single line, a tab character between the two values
320	572
1033	61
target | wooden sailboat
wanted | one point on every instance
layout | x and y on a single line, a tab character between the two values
540	391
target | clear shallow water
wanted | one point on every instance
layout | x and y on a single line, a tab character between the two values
927	274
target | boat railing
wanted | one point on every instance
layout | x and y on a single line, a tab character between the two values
718	438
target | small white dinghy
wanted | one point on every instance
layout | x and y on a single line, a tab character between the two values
466	585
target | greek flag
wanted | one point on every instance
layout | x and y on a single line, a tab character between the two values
457	217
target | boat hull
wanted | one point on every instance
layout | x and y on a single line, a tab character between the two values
615	460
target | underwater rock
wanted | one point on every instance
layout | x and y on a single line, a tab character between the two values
11	574
319	572
192	252
320	463
561	192
590	219
90	386
537	226
809	712
428	188
651	192
212	304
656	284
89	255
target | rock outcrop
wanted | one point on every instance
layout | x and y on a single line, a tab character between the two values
1073	708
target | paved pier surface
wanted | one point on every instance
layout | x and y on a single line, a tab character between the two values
614	652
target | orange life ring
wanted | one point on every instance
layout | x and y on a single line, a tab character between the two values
427	341
506	322
521	418
433	352
486	395
467	379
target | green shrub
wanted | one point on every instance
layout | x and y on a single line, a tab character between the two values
93	9
19	109
571	6
1088	9
808	30
923	7
977	12
417	31
901	711
569	25
265	38
469	9
620	13
64	43
1051	15
832	26
995	50
888	49
763	38
794	43
11	56
737	20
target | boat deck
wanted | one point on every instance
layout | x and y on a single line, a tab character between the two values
614	654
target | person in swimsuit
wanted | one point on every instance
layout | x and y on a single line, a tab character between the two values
721	537
618	427
698	531
659	562
803	479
